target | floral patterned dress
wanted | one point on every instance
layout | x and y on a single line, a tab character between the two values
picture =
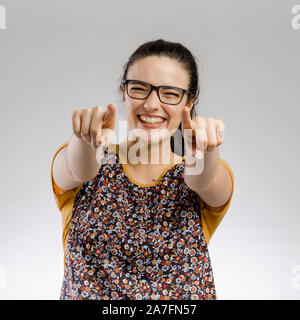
131	242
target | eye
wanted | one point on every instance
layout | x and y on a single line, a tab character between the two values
171	94
136	88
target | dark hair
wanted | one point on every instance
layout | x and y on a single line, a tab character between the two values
179	53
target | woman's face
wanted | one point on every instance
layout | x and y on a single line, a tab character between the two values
157	71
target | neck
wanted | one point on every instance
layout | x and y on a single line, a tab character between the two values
139	153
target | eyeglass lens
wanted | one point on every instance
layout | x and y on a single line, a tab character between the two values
167	95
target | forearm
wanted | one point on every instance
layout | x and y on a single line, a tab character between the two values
81	159
202	181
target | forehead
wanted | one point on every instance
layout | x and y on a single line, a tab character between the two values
159	71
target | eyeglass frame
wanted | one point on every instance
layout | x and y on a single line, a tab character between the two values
156	88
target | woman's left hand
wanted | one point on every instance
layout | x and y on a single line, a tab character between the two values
205	134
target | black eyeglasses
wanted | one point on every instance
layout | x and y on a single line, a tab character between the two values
167	94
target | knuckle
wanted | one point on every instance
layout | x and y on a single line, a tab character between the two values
85	133
98	108
202	133
94	132
204	140
210	121
75	114
86	112
221	122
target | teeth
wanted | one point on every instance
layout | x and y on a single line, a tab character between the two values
151	120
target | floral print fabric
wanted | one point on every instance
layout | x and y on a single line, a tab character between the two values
131	242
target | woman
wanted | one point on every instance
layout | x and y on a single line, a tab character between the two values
134	228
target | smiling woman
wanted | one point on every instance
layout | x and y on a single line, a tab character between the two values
138	229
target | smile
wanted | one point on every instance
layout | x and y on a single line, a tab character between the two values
151	122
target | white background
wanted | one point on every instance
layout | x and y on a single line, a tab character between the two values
58	56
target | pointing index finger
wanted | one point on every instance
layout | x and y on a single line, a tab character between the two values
110	115
186	120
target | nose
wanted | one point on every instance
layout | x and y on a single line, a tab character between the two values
152	102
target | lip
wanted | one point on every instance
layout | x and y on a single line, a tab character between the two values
151	115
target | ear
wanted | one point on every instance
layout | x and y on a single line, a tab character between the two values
191	103
122	89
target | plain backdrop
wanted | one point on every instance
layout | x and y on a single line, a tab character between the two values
58	56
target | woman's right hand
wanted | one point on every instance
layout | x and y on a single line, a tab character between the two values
95	125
